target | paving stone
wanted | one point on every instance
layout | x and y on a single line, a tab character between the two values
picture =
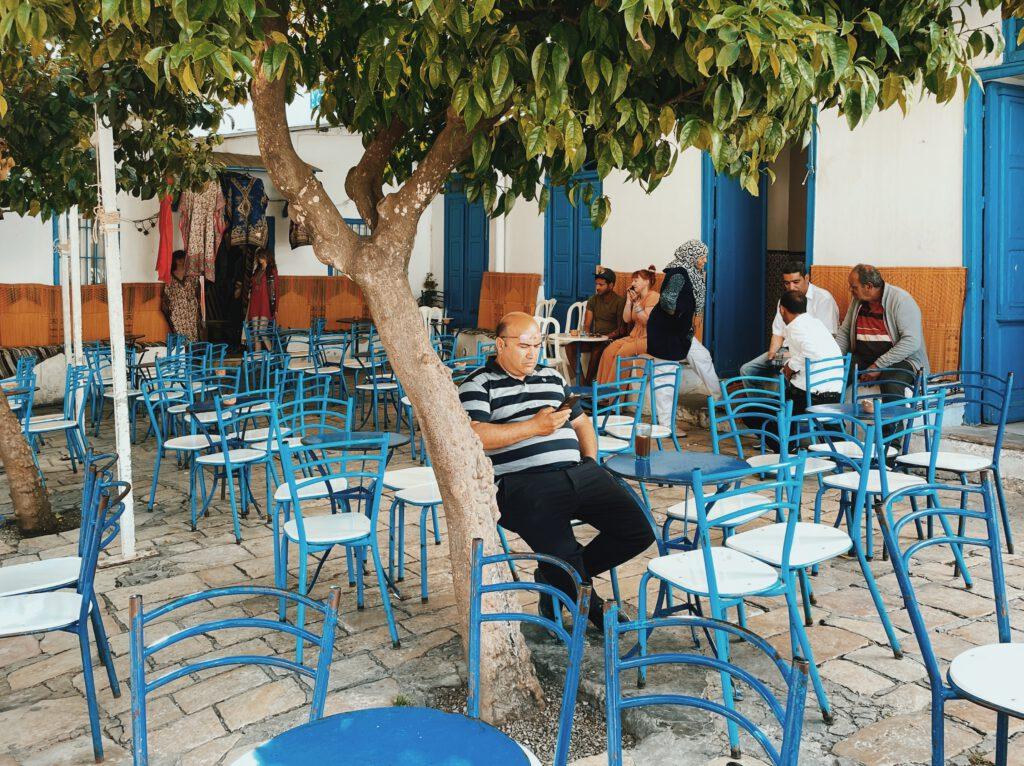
47	668
262	702
978	717
826	641
380	693
17	649
44	722
234	682
904	739
77	750
212	752
907	698
192	731
854	677
881	660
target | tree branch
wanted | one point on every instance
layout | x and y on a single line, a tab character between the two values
333	239
364	183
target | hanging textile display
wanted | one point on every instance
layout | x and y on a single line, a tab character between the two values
165	226
246	209
202	226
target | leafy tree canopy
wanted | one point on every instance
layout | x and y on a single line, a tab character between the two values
543	87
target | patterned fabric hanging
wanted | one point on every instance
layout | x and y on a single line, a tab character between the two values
246	209
201	220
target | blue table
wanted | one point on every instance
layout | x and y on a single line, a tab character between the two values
395	439
390	736
670	467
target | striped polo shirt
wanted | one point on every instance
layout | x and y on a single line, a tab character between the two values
491	395
873	338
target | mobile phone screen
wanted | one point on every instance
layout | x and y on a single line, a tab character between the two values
569	403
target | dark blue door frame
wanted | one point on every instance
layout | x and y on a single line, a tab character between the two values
466	255
971	345
572	246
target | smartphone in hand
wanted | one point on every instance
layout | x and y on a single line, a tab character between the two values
569	403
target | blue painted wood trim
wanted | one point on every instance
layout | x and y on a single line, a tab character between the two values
56	250
973	209
707	234
1012	52
812	179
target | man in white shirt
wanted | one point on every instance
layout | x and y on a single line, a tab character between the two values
820	305
808	340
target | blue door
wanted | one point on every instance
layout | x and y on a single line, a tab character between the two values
734	229
465	255
1003	279
572	247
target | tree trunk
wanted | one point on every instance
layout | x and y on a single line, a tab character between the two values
31	505
508	680
464	473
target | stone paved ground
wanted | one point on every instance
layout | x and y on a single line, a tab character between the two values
881	704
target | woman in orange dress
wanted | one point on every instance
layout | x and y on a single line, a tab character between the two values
640	299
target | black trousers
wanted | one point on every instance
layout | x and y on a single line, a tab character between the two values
799	398
540	506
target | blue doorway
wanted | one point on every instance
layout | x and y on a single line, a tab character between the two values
1002	330
572	246
466	252
733	225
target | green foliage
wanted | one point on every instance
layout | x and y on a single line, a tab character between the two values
545	88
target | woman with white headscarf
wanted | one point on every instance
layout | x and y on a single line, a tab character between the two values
670	331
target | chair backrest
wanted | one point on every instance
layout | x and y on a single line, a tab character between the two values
574	317
484	583
820	372
142	652
259	368
966	522
159	397
766	420
989	393
548	326
101	526
21	402
24	366
619	402
627	367
77	382
868	383
485	349
898	421
754	387
238	414
787	709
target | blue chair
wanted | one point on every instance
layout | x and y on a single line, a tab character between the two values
990	394
379	390
617	405
427	497
229	455
162	404
71	421
142	652
819	372
70	612
726	576
574	640
348	473
978	674
788	710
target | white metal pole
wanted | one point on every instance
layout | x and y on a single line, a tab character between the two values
75	284
108	218
64	253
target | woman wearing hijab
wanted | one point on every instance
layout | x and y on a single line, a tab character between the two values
670	331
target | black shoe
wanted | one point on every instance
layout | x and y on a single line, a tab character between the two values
546	604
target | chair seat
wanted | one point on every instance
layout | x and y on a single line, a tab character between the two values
848	448
260	435
534	760
335	528
238	456
382	386
133	393
188	442
737	574
46	426
947	461
812	543
275	446
39	575
46	418
317	490
36	612
851	481
812	467
403	478
421	494
625	430
688	509
177	409
992	675
609	444
406	401
354	364
301	364
607	421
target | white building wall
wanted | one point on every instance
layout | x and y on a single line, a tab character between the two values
890	192
26	250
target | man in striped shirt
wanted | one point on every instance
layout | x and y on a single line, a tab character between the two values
544	462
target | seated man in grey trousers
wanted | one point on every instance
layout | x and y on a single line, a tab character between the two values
820	305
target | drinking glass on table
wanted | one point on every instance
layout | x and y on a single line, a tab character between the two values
643	440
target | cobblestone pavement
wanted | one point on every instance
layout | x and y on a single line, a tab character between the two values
881	704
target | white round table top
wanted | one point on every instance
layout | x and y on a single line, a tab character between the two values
992	675
564	337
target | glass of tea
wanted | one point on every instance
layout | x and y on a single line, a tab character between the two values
643	440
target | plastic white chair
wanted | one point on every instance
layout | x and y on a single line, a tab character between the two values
575	315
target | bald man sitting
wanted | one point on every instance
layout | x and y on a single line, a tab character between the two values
544	462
